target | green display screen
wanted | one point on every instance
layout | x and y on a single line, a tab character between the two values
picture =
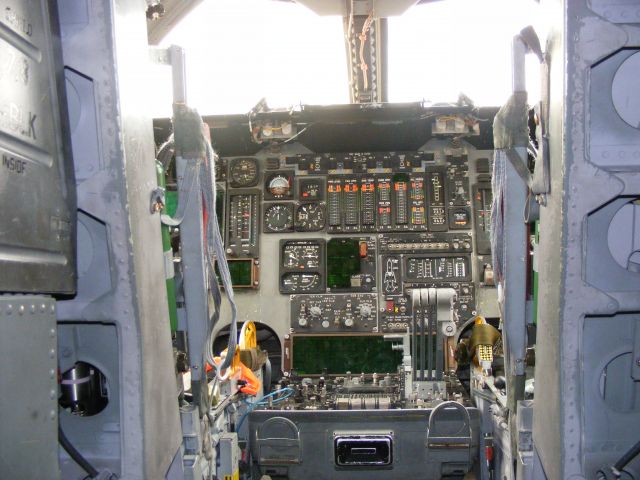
240	271
401	177
314	355
343	260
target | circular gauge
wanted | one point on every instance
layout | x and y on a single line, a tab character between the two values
278	218
279	185
310	217
302	255
243	172
301	282
290	257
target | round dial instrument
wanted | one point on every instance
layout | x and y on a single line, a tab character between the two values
279	185
310	217
300	282
301	256
278	218
243	172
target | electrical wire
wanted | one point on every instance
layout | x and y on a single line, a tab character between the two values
350	24
297	134
289	391
204	171
215	390
215	253
629	455
184	195
166	153
267	375
364	67
222	406
75	455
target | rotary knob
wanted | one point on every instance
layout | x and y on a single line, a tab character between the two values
348	322
302	321
315	311
365	310
325	324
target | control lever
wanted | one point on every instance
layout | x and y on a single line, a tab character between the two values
433	316
445	311
417	322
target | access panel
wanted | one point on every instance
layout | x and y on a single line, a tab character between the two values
37	218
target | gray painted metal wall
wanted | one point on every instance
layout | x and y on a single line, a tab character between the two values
586	413
119	319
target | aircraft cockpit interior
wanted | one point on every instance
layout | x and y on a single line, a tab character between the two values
320	239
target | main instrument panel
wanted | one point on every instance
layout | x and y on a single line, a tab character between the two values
341	239
367	262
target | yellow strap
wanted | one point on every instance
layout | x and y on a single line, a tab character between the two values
250	338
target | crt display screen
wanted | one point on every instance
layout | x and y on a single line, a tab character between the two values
342	261
314	355
240	271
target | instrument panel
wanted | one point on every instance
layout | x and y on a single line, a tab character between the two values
342	239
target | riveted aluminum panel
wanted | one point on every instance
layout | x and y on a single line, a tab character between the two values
29	386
